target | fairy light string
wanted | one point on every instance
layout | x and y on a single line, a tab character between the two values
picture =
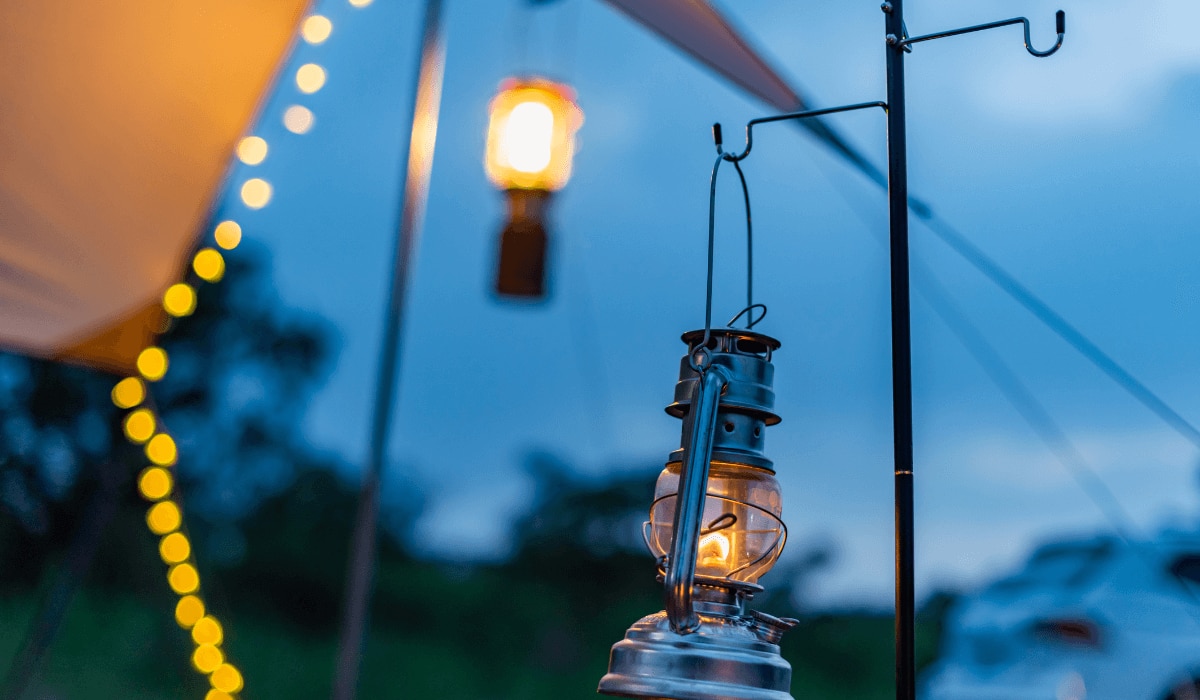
156	483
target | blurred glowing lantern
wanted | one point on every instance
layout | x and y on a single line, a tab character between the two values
530	146
715	529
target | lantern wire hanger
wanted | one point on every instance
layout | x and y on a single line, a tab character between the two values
751	307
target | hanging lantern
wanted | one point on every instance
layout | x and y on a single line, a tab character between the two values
530	145
715	528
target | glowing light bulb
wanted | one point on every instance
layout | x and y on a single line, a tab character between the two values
256	193
528	137
316	29
298	119
207	631
139	425
152	363
207	658
531	135
188	612
252	150
361	3
163	517
226	678
175	548
309	78
128	392
179	300
161	450
214	694
228	234
155	484
183	578
209	265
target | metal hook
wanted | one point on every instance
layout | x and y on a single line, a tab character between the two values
1060	26
733	157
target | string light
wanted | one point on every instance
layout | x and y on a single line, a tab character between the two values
298	119
256	193
209	265
161	450
360	3
309	78
188	611
316	29
228	234
226	678
183	579
175	548
152	363
179	300
207	631
155	483
207	658
139	425
252	150
128	392
163	517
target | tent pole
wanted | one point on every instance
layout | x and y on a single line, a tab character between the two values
414	184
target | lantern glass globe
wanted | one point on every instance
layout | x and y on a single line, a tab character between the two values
741	535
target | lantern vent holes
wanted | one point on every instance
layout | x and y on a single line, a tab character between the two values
729	427
753	347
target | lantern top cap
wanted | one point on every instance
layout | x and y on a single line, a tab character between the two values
534	82
731	338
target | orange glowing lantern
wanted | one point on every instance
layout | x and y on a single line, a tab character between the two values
530	146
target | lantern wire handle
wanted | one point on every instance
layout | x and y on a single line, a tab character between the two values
700	357
749	245
750	310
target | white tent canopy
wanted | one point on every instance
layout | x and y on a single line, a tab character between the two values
118	124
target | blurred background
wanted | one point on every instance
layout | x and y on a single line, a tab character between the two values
527	436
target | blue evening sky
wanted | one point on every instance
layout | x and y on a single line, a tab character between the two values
1079	173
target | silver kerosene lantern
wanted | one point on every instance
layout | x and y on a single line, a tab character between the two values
715	528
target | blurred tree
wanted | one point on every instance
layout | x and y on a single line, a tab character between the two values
241	367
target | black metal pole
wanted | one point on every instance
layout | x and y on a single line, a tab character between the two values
901	352
414	184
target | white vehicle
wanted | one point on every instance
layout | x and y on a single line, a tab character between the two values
1096	619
